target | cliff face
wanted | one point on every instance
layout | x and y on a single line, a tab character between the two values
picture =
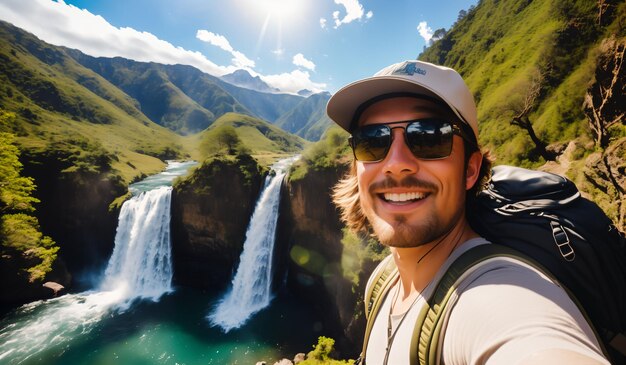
210	214
17	288
74	211
310	237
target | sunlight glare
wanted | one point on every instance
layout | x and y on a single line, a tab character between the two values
278	9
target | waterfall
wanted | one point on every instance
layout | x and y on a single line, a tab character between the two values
140	267
251	285
141	264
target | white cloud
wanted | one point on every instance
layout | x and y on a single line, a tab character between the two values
279	52
294	81
425	31
354	11
239	59
300	60
66	25
214	39
323	23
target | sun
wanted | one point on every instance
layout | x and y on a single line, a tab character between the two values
277	10
280	8
276	17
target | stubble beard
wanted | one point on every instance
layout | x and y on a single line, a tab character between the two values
401	233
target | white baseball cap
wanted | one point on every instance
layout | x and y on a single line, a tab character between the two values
416	77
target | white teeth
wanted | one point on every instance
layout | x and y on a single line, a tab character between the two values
403	197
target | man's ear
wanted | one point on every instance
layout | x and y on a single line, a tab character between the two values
473	169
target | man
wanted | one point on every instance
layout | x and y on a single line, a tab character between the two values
414	133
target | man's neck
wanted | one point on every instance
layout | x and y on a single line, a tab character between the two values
418	265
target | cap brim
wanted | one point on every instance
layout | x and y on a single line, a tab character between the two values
345	102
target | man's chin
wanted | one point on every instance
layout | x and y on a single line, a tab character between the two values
401	234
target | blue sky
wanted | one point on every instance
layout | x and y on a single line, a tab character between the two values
290	44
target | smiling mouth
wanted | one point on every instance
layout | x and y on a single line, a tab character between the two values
403	198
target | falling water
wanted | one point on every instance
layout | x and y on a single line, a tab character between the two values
140	267
251	286
141	264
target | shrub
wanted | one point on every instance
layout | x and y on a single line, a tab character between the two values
321	354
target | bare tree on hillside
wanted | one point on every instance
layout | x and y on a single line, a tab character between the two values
605	107
606	11
522	106
605	101
602	7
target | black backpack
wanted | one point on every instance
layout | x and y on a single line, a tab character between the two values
544	216
542	219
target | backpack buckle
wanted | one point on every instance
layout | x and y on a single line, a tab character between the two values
561	239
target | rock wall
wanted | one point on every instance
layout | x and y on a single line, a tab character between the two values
74	212
210	214
17	289
310	234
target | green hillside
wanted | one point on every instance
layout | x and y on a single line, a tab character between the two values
180	98
308	119
263	140
58	103
504	48
549	82
183	98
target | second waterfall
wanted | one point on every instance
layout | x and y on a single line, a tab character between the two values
251	286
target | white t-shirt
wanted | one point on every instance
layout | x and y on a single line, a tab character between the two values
501	313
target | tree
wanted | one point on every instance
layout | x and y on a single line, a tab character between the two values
222	139
21	240
15	190
521	107
462	14
605	99
227	138
438	34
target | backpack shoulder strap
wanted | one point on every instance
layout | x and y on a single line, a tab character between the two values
425	340
381	280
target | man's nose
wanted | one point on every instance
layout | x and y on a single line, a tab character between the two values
400	159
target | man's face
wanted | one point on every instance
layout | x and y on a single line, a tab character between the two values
408	201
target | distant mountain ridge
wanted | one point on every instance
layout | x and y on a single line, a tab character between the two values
308	119
244	79
178	97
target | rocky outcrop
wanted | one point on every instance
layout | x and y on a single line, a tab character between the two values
74	212
210	214
310	234
17	287
606	173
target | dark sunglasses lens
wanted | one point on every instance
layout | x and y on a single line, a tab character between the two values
370	143
430	138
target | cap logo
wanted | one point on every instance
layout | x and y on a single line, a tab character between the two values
410	69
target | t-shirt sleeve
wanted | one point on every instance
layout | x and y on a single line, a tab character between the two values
510	312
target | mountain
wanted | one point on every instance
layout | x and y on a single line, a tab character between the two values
305	92
244	79
180	98
308	118
183	98
61	106
504	49
263	105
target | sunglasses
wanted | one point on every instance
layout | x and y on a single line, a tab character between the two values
428	139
